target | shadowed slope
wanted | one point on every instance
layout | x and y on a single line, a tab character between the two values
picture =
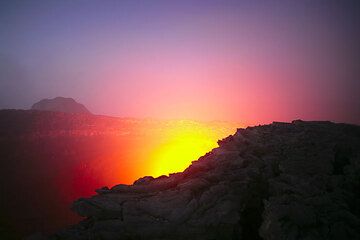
294	180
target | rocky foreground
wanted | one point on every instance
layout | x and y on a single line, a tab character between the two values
298	180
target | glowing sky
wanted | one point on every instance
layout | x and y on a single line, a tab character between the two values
247	61
158	148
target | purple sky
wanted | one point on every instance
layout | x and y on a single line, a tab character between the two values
247	61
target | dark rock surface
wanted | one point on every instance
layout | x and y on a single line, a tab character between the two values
298	180
60	104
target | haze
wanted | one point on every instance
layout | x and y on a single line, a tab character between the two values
245	61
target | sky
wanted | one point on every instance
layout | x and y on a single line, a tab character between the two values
252	62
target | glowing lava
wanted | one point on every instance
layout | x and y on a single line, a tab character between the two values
183	142
127	149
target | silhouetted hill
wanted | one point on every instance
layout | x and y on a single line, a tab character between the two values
60	104
296	180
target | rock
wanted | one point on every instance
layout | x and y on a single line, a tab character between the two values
103	190
60	104
144	180
296	180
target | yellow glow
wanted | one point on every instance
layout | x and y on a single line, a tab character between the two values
184	142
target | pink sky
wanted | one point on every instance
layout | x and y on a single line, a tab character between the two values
246	61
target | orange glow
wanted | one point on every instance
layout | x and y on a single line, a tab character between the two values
155	148
80	153
115	150
184	142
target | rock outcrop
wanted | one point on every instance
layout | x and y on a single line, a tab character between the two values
60	104
296	180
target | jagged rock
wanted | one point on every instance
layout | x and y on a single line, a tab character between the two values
144	180
296	180
103	190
